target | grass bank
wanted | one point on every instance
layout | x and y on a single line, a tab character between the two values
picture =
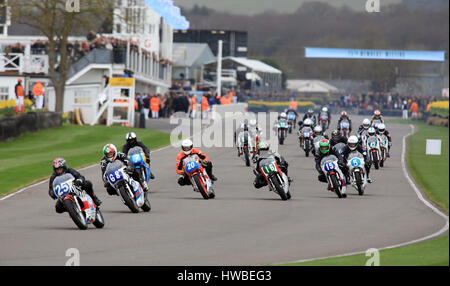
431	173
28	158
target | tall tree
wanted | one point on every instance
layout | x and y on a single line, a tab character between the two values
57	20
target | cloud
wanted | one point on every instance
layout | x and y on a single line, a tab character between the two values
170	13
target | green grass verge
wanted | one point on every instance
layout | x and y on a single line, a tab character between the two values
431	173
430	253
29	157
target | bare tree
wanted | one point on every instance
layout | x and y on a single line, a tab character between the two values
57	20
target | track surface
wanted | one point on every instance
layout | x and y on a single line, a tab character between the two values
242	226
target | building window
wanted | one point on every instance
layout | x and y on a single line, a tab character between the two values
4	93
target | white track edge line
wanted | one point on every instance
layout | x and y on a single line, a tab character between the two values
421	198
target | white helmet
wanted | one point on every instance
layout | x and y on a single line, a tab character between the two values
130	136
252	123
187	146
381	128
325	109
352	142
318	129
283	115
308	122
371	131
366	123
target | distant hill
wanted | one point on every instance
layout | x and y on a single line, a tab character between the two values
433	5
251	7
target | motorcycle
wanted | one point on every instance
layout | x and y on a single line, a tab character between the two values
282	131
334	175
324	121
373	147
291	121
244	146
277	181
384	147
139	161
198	177
305	139
129	190
345	128
77	202
357	171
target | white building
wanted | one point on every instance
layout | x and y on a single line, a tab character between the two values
147	54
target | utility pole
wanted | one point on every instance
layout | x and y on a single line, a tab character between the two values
219	69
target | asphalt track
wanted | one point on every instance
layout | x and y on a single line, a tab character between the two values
242	226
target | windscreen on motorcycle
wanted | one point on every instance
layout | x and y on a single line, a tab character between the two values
116	165
372	140
135	150
190	158
345	124
63	178
339	147
355	154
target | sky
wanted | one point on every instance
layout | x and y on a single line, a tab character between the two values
251	7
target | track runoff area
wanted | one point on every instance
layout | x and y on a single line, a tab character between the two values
241	226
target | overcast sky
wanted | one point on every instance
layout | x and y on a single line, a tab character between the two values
258	6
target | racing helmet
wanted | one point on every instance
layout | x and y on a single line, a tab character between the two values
381	128
377	113
324	109
371	131
252	123
366	123
131	138
187	146
324	146
308	123
110	152
310	112
283	115
335	134
263	146
59	164
343	114
352	142
318	130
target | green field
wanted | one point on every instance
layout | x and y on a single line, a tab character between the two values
29	157
431	173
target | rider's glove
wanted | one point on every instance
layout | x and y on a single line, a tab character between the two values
129	169
204	163
78	182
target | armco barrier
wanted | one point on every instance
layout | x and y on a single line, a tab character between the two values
221	110
30	122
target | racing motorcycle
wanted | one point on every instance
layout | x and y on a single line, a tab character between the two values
305	139
334	175
291	121
139	161
345	128
244	146
357	171
277	181
384	147
374	152
324	121
77	202
129	190
282	129
198	176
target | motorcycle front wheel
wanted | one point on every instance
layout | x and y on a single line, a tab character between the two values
201	187
335	184
99	221
75	214
130	202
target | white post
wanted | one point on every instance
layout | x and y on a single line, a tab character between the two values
219	69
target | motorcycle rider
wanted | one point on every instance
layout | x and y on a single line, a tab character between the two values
326	150
318	131
381	130
344	116
133	142
60	168
354	146
263	153
364	126
110	155
326	112
336	138
309	115
376	116
188	149
255	133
